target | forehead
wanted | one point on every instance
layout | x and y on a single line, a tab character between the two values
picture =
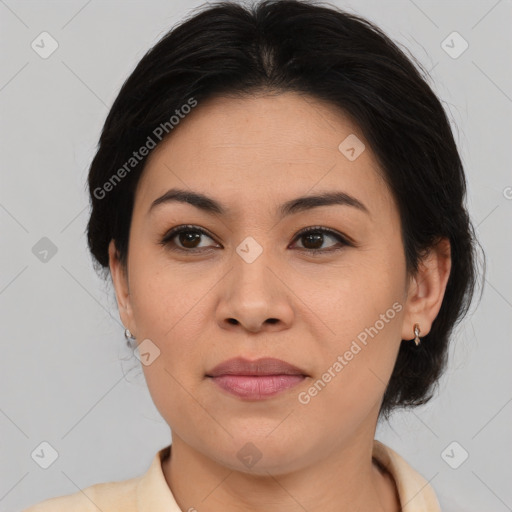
264	149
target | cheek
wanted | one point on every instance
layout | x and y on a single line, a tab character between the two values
161	294
174	398
364	314
170	307
360	295
355	373
166	307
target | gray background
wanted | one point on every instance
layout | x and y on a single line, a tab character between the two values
67	377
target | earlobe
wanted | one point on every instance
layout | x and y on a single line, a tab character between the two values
427	289
121	287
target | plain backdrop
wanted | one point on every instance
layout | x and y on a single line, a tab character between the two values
66	375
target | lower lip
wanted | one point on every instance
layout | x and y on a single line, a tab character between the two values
257	387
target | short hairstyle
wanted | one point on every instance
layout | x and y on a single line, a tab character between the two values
230	50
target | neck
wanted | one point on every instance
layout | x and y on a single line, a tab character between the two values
345	479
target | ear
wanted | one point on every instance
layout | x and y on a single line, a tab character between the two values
121	286
426	290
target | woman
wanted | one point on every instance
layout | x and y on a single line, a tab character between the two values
279	200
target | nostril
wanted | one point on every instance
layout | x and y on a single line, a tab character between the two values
233	321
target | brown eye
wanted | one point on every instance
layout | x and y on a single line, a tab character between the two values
185	238
314	238
188	239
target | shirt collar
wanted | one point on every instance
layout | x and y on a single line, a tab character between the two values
414	492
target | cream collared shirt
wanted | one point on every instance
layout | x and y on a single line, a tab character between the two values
150	491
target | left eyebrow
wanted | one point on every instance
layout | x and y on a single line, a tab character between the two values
324	199
293	206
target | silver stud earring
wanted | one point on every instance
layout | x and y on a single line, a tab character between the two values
129	336
417	334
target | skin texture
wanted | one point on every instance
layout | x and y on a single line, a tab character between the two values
252	155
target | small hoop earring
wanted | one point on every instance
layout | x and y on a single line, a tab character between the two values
128	335
417	334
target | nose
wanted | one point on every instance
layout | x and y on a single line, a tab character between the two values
253	297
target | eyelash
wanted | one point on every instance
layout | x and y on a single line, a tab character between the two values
166	240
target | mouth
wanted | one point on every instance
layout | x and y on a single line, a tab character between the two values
256	380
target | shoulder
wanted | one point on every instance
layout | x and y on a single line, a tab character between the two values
111	496
148	491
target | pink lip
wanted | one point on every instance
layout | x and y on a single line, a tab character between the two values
257	387
258	379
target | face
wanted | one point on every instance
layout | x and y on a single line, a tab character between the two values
243	281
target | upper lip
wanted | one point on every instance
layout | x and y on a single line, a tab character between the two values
263	366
